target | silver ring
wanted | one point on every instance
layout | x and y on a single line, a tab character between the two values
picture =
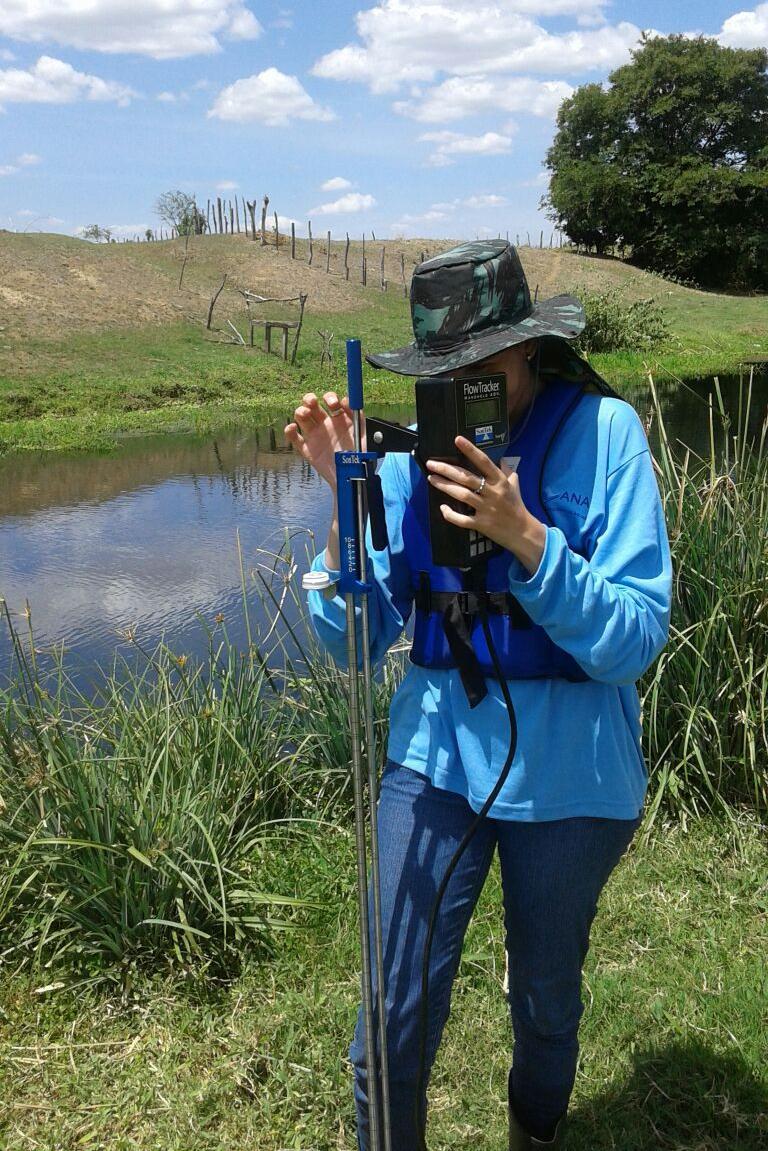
340	412
479	491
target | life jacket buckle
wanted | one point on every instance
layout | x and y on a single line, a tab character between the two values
467	602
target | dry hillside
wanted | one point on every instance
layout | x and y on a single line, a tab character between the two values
55	284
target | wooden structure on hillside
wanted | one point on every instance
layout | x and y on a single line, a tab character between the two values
253	300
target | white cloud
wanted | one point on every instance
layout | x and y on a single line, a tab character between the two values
746	29
539	181
271	98
336	184
409	223
167	97
38	218
445	210
352	202
412	41
163	29
227	186
284	224
600	50
51	81
284	19
453	144
469	95
487	201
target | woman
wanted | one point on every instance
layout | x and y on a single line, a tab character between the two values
579	611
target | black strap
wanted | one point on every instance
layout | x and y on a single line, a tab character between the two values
469	602
375	496
457	633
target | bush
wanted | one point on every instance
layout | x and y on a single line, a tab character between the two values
615	325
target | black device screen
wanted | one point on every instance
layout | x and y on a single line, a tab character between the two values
482	412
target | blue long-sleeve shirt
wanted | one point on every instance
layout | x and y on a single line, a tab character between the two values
602	591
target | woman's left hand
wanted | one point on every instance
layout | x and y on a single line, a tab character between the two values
500	513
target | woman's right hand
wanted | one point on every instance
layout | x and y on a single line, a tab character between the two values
318	434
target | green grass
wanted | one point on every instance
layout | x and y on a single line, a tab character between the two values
674	1050
95	387
84	389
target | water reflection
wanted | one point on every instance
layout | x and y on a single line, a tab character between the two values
146	538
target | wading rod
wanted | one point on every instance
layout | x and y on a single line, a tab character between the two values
353	470
355	392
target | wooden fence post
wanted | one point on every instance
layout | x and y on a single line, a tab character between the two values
277	233
245	217
264	207
402	273
208	215
237	216
293	240
252	213
346	259
383	281
302	302
218	212
328	252
362	264
214	298
309	231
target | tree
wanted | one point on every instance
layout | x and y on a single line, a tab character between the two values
670	161
180	211
96	233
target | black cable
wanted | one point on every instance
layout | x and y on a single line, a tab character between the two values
421	1118
478	575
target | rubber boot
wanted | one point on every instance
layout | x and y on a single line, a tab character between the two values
520	1140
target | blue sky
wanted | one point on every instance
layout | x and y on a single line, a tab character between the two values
405	117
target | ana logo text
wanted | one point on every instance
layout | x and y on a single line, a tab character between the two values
573	498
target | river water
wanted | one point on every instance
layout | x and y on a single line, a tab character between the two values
146	538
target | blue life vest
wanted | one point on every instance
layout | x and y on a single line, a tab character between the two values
448	630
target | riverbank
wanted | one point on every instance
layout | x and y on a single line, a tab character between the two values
180	960
673	1037
91	378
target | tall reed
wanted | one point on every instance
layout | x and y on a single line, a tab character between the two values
135	824
704	702
142	822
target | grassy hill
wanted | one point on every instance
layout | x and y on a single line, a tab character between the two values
101	340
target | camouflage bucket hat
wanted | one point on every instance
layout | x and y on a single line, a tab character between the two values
471	302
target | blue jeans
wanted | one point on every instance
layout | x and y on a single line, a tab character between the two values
552	875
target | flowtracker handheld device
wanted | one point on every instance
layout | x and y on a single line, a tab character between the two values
474	407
